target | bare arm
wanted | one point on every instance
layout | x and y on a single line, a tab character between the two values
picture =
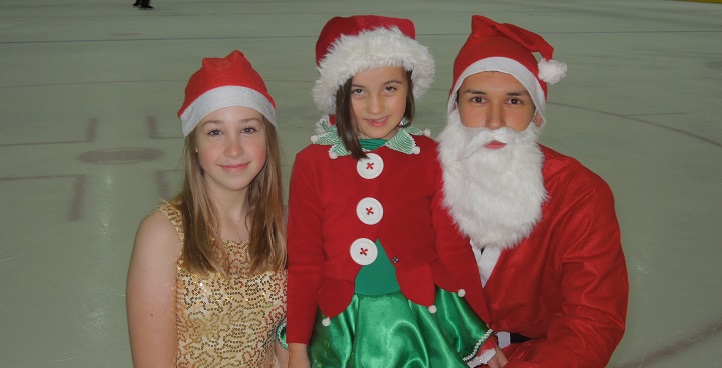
150	294
282	355
298	356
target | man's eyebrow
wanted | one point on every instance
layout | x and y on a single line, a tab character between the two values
513	94
474	91
519	93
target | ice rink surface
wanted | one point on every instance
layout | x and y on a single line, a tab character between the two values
89	142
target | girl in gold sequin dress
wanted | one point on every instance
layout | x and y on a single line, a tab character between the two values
207	279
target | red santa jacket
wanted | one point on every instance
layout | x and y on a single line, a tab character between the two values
328	201
565	286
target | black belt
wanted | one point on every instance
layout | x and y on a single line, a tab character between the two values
516	338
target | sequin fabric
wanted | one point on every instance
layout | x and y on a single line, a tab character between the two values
227	322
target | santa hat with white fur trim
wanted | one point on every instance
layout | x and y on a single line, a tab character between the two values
506	48
348	46
224	82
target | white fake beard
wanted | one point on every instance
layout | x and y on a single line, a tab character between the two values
494	195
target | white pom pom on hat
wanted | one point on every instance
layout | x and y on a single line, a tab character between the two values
552	71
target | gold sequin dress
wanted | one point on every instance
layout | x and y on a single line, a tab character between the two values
227	322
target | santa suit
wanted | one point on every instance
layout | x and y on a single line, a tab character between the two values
415	230
564	286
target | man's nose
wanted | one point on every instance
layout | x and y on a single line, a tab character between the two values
495	117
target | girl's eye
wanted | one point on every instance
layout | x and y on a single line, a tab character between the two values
357	91
214	132
390	89
248	130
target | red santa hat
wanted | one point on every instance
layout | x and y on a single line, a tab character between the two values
506	48
224	82
348	46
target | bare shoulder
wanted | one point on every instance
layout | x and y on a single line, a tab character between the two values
151	293
158	237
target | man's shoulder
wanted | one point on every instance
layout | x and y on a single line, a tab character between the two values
555	158
562	168
556	162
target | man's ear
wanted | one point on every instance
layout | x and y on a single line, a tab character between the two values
538	119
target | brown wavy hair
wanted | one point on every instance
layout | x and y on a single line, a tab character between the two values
201	225
348	131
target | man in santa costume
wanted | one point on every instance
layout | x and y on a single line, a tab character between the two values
542	226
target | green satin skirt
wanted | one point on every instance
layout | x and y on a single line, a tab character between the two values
390	331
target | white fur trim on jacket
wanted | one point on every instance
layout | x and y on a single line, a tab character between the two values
368	50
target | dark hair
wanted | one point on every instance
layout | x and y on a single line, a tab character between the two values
344	124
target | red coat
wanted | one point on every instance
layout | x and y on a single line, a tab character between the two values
566	285
416	232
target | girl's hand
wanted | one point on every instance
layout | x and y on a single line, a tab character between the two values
499	360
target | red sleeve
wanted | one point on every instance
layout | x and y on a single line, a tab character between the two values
305	251
594	289
455	252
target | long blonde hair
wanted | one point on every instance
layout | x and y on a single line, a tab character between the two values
201	225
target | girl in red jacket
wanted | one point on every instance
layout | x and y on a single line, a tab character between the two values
378	274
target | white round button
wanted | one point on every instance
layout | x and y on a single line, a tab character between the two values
371	167
369	211
363	251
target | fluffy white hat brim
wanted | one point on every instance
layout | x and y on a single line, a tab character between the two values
369	50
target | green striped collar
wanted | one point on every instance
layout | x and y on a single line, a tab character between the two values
403	141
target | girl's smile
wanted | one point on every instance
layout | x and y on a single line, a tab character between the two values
235	167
